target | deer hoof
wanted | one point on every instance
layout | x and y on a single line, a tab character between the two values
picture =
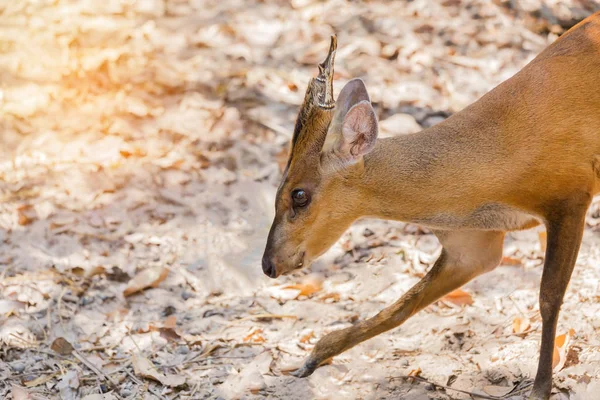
306	370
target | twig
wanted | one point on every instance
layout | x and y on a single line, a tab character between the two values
62	347
206	353
25	341
59	304
194	390
265	316
151	390
93	368
49	315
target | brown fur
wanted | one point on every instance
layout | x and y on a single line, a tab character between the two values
525	153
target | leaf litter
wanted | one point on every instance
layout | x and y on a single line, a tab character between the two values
142	145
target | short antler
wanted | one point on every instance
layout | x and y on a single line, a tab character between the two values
326	76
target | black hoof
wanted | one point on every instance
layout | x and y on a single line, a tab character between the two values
306	370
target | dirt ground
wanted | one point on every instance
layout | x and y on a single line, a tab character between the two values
141	146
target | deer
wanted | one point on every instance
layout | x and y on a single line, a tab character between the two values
525	154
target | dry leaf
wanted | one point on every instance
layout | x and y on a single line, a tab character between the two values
497	391
144	368
521	325
149	277
8	307
458	297
97	396
20	393
170	322
561	349
40	380
512	261
306	338
308	287
255	336
413	373
167	331
26	214
333	297
62	346
69	385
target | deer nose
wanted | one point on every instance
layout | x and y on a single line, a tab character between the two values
268	267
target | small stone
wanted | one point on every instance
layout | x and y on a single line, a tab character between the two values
433	120
169	310
398	124
86	300
17	367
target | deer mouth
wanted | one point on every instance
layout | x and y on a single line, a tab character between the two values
299	264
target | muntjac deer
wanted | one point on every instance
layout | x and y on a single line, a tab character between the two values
526	153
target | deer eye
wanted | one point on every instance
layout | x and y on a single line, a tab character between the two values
300	198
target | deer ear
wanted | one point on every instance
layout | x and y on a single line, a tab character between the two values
359	131
353	129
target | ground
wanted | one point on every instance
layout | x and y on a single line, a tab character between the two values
142	143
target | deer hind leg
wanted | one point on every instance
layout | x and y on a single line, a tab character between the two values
565	230
465	255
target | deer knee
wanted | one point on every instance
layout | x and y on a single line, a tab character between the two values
549	306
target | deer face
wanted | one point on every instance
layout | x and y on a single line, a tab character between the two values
320	194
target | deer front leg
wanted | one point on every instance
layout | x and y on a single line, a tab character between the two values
464	256
565	230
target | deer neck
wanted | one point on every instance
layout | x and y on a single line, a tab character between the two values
415	177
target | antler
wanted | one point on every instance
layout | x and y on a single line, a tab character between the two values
326	77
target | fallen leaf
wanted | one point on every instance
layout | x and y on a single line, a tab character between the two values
561	348
9	307
40	380
144	368
573	356
97	396
169	334
512	261
414	373
149	277
308	287
249	379
520	325
61	346
69	385
255	336
333	297
26	214
458	297
170	322
306	338
133	152
20	393
497	391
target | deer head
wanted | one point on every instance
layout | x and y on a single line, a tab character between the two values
320	193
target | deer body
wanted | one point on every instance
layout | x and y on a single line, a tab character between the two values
526	153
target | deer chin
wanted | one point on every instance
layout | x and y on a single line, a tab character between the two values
300	262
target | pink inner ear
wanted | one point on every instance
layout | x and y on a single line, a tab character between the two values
359	130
